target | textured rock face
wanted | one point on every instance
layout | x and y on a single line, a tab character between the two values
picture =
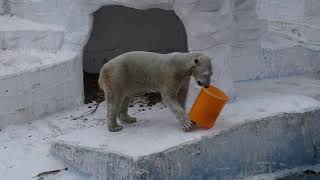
2	6
36	77
247	39
207	23
275	38
209	26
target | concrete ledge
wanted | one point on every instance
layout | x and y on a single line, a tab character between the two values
252	136
288	174
34	83
17	33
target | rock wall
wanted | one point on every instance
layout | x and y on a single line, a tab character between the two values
247	39
275	38
2	6
208	25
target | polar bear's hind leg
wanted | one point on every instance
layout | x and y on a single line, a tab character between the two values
123	113
113	109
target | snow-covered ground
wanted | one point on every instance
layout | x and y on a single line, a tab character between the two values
24	151
24	148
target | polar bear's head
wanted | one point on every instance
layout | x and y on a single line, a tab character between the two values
202	70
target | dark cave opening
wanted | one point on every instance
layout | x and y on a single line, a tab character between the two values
119	29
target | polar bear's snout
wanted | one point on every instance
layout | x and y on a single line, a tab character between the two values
206	85
202	71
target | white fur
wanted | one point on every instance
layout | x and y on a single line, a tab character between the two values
140	72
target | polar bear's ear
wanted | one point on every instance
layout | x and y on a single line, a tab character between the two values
196	61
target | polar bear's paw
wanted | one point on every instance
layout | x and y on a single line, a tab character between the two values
115	128
187	125
126	119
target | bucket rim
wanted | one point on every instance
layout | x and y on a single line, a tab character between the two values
226	98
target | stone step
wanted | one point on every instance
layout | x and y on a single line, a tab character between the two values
252	136
17	33
298	173
34	83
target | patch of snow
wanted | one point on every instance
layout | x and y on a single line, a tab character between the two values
24	148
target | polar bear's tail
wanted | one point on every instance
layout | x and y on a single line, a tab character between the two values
99	83
100	79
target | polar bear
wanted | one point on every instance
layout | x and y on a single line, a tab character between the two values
139	72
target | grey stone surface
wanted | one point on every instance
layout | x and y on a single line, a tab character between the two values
289	174
36	77
248	39
17	33
209	26
306	85
48	83
3	7
77	18
275	38
252	136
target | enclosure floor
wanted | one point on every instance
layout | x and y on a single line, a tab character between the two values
311	172
24	148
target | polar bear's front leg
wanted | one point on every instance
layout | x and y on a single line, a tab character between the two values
123	113
171	99
183	93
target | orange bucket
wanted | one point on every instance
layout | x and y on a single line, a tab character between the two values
207	107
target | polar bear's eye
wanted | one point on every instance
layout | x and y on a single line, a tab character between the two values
196	61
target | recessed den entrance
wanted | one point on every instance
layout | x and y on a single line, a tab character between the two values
118	29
